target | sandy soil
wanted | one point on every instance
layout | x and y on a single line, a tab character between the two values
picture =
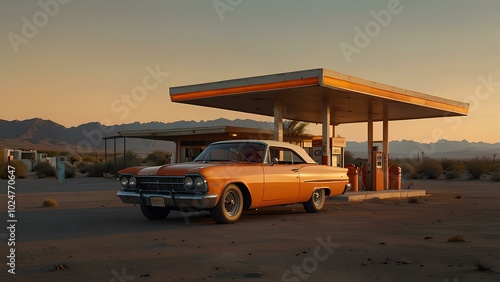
92	236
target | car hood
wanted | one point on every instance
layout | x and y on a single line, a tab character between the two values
170	169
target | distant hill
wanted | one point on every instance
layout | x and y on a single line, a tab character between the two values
440	149
43	134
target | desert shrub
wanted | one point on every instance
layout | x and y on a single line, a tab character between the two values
89	158
453	174
20	169
477	167
158	158
130	159
349	157
98	169
430	168
69	171
74	158
496	176
451	164
83	167
483	264
44	169
456	238
49	203
408	170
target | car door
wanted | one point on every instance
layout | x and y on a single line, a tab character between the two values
281	178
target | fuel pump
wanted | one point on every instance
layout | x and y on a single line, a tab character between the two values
377	169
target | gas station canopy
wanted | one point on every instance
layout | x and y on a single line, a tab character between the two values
303	94
326	97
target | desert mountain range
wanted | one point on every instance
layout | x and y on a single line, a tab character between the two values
47	135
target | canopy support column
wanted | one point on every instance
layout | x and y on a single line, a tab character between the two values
385	146
369	168
327	154
278	120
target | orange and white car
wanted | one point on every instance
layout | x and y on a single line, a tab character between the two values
231	176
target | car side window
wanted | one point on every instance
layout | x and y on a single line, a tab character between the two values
285	156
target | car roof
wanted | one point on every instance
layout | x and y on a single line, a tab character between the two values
272	143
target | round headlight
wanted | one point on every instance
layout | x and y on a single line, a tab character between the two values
132	182
188	183
199	183
124	182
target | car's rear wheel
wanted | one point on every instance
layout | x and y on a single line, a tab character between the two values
155	213
316	202
230	205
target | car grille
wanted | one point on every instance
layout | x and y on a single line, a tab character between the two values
160	184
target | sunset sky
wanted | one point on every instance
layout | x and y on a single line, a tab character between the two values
77	61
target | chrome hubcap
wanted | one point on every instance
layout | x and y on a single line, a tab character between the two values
317	198
231	204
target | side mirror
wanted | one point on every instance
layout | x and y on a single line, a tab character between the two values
274	161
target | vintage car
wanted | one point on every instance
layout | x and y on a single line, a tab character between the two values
231	176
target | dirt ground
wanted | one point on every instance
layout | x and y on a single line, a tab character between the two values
92	236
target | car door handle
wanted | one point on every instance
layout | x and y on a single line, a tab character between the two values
295	169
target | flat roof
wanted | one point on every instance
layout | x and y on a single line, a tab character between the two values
209	133
304	92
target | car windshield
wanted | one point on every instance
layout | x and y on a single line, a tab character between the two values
237	152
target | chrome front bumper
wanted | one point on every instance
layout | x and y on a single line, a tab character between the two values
172	200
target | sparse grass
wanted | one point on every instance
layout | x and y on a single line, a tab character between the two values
456	238
49	203
483	264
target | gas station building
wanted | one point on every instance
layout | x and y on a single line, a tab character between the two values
317	96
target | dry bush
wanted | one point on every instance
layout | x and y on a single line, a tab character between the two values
408	170
496	176
453	174
69	171
477	167
49	203
456	238
158	158
89	158
44	169
74	158
98	169
483	264
453	165
20	169
430	168
83	167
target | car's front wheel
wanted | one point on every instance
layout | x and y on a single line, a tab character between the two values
155	213
316	202
230	205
